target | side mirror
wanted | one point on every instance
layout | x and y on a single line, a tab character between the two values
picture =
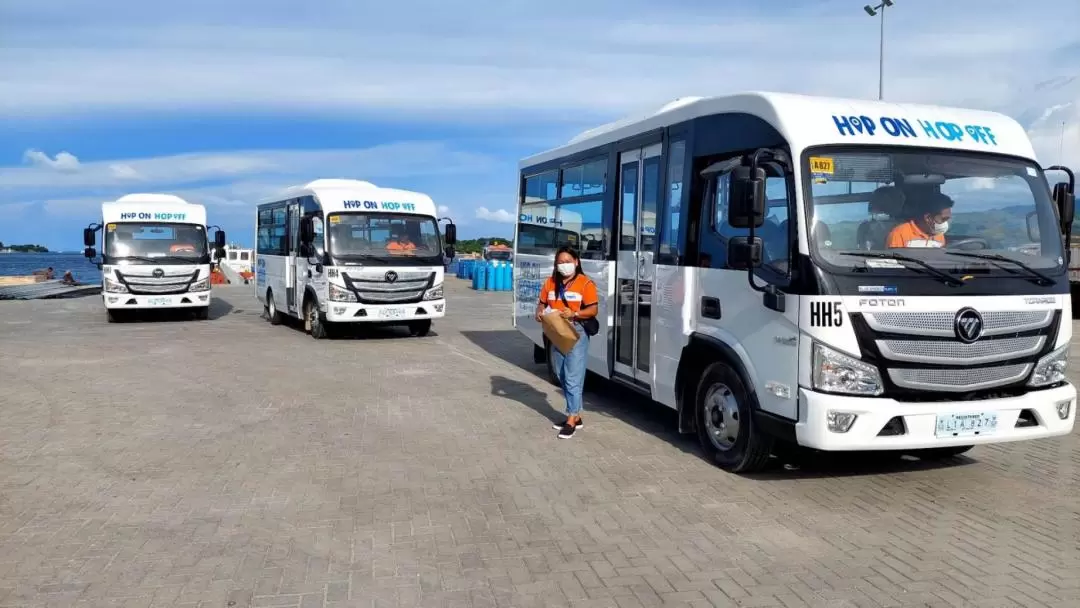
219	253
1033	226
744	253
450	253
219	239
307	230
1066	204
451	234
746	197
89	237
90	253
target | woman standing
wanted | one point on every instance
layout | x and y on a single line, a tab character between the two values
570	293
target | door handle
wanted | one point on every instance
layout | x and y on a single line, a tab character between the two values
710	307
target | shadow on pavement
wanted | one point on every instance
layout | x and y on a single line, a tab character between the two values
604	398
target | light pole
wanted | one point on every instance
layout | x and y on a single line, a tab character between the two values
873	12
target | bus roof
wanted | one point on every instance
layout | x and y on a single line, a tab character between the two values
153	207
337	195
806	121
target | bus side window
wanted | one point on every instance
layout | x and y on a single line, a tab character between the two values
775	233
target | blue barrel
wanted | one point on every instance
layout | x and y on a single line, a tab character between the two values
500	276
489	276
470	270
457	268
479	277
508	276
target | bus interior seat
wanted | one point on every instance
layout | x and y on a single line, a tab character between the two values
821	235
872	233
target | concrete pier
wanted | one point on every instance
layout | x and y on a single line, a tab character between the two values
229	462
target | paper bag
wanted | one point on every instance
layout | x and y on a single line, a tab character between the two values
559	331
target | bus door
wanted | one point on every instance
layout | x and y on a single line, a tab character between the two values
291	274
639	191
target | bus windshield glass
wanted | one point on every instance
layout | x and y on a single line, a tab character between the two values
390	238
155	243
946	209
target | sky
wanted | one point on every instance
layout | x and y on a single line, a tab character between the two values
225	102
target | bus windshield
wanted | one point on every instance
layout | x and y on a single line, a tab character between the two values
155	243
944	208
391	238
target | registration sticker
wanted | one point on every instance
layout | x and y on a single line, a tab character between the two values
821	165
110	227
335	219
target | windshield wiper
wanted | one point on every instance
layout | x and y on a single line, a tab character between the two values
1036	276
945	277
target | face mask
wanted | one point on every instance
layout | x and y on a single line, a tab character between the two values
941	227
566	269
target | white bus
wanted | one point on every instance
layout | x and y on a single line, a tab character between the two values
758	329
347	251
154	254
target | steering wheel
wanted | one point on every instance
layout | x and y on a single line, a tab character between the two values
968	244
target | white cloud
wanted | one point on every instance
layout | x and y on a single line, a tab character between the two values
64	161
387	161
444	210
498	58
498	215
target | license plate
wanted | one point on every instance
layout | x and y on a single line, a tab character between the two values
159	301
966	425
392	313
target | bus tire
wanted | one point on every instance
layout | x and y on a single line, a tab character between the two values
271	310
202	313
420	328
725	422
314	321
932	454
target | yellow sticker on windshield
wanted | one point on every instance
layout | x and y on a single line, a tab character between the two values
821	165
334	219
111	227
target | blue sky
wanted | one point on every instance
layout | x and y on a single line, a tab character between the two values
226	101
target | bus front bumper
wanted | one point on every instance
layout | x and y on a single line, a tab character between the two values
351	312
931	425
192	299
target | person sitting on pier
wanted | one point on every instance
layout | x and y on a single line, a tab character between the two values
69	279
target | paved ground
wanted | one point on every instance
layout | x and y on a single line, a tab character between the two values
231	463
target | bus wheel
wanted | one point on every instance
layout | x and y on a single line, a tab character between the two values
420	328
314	321
271	310
725	424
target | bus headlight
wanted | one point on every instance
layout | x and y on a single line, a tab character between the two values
112	286
435	293
1051	368
203	285
838	373
340	294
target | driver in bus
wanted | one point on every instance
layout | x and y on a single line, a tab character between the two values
401	243
927	227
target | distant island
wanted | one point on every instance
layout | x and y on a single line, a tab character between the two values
23	248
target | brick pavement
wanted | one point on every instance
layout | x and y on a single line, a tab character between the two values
230	463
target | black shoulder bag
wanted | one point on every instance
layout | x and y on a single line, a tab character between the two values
590	325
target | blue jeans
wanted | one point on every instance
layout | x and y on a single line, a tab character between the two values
570	370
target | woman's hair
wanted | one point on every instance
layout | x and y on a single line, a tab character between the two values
555	266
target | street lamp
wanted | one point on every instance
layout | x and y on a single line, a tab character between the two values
873	12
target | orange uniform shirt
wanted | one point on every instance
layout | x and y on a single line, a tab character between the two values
580	292
910	235
397	246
